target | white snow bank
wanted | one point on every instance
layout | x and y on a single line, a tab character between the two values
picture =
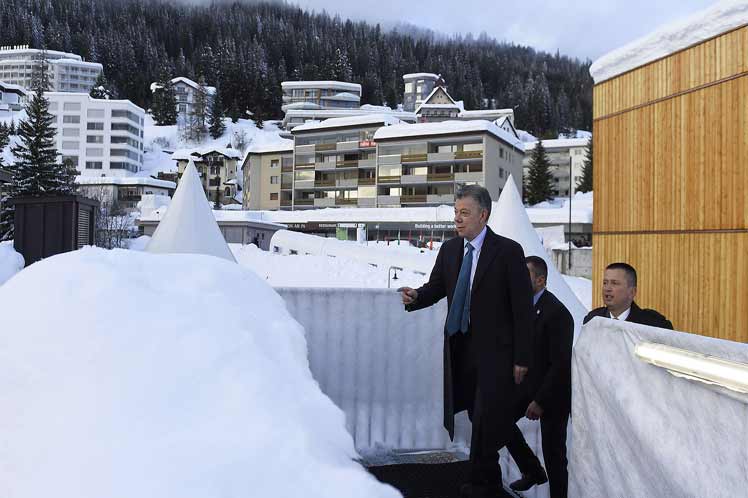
678	35
11	262
162	376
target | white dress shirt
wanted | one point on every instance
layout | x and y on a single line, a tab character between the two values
477	244
623	316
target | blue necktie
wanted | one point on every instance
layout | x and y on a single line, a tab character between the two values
459	312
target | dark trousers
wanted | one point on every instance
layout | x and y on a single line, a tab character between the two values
491	425
553	432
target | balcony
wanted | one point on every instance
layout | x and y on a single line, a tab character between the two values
469	154
324	202
325	147
469	177
287	168
286	186
389	179
413	179
285	202
324	166
368	202
342	201
346	146
414	158
366	181
347	182
324	183
440	177
391	160
440	198
367	163
351	163
413	199
305	166
305	149
388	200
441	156
304	184
304	202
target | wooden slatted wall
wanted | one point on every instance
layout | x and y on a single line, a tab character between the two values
671	184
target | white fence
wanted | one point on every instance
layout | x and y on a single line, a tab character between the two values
383	367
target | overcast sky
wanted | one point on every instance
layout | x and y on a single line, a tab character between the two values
579	28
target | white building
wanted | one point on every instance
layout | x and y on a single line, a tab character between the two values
67	72
297	116
320	95
124	192
562	154
101	137
185	90
12	97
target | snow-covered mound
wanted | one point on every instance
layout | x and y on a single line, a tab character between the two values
10	261
129	374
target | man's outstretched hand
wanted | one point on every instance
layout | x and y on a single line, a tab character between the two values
409	295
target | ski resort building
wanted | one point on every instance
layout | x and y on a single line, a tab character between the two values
320	95
100	137
185	90
218	169
268	177
418	86
67	72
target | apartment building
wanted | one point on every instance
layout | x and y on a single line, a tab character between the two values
67	72
101	137
423	164
440	106
12	97
123	192
418	86
563	154
320	95
268	177
217	168
185	90
335	162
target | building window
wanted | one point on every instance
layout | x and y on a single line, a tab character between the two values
95	126
71	106
95	113
70	145
71	119
94	164
274	163
274	196
72	159
273	180
71	132
95	152
95	139
228	192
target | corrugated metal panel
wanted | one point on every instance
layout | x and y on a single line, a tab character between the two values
84	227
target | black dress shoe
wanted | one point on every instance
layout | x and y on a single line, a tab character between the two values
529	480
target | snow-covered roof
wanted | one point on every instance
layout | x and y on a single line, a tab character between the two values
282	145
371	119
364	110
181	79
430	95
347	96
437	106
447	128
561	143
81	96
10	87
411	76
187	154
678	35
125	180
189	225
498	113
321	84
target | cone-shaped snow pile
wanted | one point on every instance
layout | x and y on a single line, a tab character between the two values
189	225
509	218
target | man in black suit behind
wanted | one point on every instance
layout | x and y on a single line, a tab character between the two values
546	392
619	291
487	339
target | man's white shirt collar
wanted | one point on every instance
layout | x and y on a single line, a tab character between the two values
477	242
623	316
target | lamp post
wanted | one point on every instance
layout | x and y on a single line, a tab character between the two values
570	180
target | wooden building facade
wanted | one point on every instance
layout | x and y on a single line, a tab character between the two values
671	184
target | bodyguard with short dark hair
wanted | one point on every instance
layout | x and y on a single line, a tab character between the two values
619	291
487	334
546	392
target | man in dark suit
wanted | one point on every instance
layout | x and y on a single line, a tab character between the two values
619	291
487	339
546	392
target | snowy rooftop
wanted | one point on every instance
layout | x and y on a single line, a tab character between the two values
368	119
181	79
558	143
63	96
124	180
488	112
420	75
10	87
437	106
447	128
720	18
321	84
187	154
280	146
344	96
364	110
53	56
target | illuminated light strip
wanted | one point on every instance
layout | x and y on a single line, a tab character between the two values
704	368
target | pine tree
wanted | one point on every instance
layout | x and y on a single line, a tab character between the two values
215	120
102	89
539	185
164	106
36	171
585	183
217	198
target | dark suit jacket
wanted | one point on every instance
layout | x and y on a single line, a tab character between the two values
637	315
500	319
549	380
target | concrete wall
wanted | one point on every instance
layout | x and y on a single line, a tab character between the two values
581	262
